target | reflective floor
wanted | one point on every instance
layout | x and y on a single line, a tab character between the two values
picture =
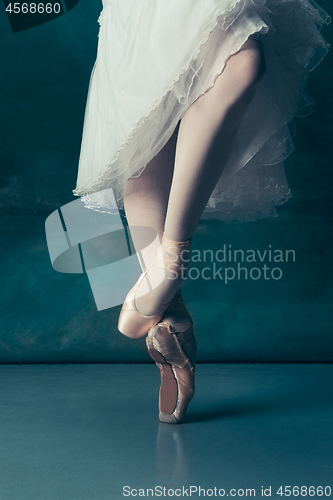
86	431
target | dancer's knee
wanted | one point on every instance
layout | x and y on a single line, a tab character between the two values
236	85
251	63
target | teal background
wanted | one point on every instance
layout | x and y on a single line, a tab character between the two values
51	317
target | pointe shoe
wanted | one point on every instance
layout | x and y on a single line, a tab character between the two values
173	348
170	258
131	322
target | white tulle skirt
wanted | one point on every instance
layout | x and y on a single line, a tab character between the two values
156	57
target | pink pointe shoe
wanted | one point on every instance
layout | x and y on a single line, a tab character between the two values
173	348
170	257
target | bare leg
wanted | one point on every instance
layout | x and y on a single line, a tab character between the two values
215	115
146	197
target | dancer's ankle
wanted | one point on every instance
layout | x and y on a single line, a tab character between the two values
172	257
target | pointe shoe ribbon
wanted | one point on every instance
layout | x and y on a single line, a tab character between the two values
173	255
131	322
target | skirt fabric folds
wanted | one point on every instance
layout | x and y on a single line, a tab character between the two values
156	57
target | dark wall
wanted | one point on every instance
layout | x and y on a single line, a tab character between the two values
52	317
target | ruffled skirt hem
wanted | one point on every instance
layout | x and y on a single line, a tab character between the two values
140	88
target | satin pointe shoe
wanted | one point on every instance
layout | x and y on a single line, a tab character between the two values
173	348
170	257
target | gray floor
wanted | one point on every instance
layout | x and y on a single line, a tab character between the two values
83	432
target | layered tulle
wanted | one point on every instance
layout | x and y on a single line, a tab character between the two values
155	58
